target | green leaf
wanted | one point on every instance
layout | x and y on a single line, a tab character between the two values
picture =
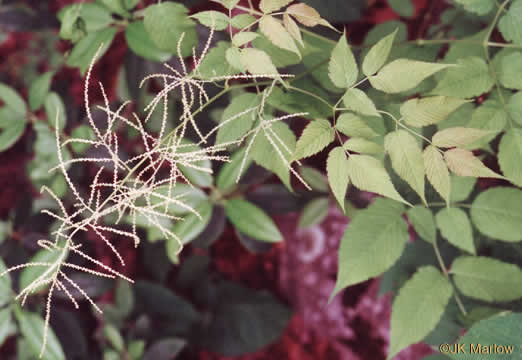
241	21
458	137
111	333
116	6
213	64
316	136
342	68
279	57
314	212
212	19
6	324
32	328
402	7
192	225
12	100
418	308
378	54
314	178
511	68
354	126
55	109
140	43
166	22
403	74
490	116
5	286
479	7
124	297
269	6
228	175
243	321
136	349
358	102
431	110
257	62
510	25
237	126
195	176
252	221
470	78
82	132
130	4
293	29
277	34
510	156
338	175
94	16
514	107
496	213
406	158
31	273
372	243
12	127
266	155
368	174
455	227
83	52
243	38
487	279
39	89
307	15
363	146
464	163
461	187
423	222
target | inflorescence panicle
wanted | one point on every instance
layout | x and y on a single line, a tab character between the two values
137	186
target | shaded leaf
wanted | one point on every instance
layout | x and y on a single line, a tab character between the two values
252	220
314	212
372	243
140	42
39	89
314	178
55	110
510	24
487	279
496	213
237	126
12	100
510	156
455	227
32	328
166	22
423	222
83	52
418	308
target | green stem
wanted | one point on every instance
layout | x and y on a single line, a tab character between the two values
446	274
